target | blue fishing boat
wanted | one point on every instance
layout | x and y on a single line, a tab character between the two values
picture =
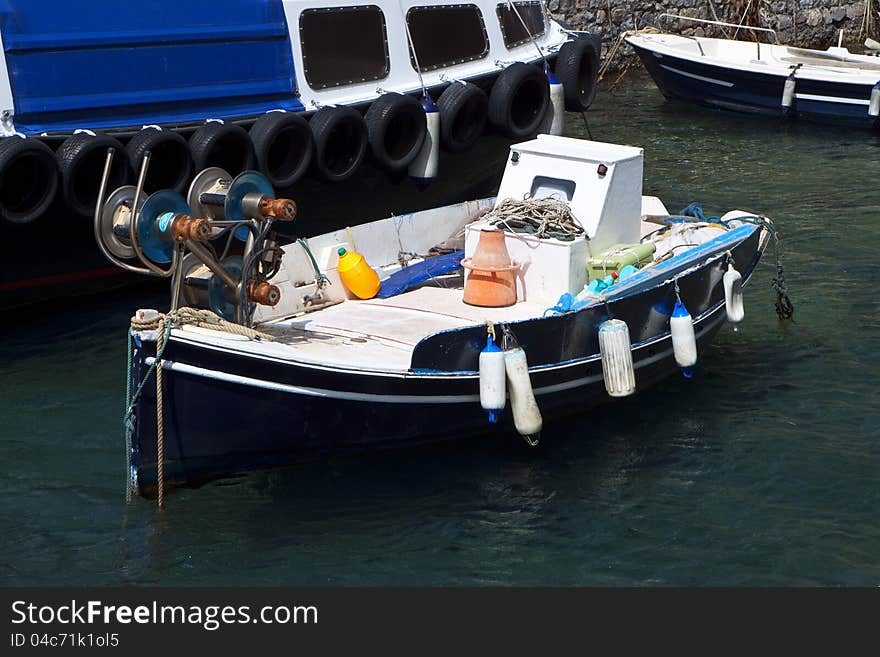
593	291
341	102
832	86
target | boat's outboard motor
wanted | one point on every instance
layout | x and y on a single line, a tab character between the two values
81	161
29	179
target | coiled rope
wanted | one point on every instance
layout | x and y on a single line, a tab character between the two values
541	217
162	323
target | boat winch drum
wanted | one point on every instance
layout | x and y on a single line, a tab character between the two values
116	221
154	216
81	159
519	100
29	179
464	110
493	377
424	168
340	136
577	68
284	147
524	406
171	165
223	145
396	127
617	362
684	342
733	295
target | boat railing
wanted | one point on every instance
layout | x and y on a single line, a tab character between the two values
723	24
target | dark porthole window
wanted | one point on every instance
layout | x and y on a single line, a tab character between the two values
532	14
343	45
444	35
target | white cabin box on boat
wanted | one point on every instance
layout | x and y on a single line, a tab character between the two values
602	184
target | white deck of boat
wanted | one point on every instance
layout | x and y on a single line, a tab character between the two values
375	335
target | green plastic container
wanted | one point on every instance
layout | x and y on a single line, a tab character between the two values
617	257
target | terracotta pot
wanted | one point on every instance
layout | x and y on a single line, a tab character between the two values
492	279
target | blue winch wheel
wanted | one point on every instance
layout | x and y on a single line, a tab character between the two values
249	182
219	295
156	208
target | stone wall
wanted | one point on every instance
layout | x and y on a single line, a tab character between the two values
809	23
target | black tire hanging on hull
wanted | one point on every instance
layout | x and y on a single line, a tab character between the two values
464	110
171	165
224	145
29	179
519	100
81	160
284	147
396	128
340	135
577	67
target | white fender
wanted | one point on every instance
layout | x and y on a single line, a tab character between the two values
423	169
554	118
493	391
733	295
874	104
788	91
526	415
684	342
617	362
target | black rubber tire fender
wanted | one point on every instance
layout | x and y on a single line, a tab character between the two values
464	110
81	158
577	68
223	145
171	165
519	100
29	179
340	136
284	147
396	127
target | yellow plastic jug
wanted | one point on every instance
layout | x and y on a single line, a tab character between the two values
361	280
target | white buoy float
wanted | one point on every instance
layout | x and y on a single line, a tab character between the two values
493	379
526	415
617	362
554	119
423	169
684	342
788	91
874	103
733	295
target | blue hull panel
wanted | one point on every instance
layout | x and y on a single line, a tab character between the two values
757	93
106	64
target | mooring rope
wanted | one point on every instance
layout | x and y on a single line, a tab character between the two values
162	323
784	306
541	217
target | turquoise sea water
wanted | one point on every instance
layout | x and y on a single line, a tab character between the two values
763	470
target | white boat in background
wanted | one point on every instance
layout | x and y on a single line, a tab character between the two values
832	85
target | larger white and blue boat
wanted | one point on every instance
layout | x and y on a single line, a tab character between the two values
336	100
